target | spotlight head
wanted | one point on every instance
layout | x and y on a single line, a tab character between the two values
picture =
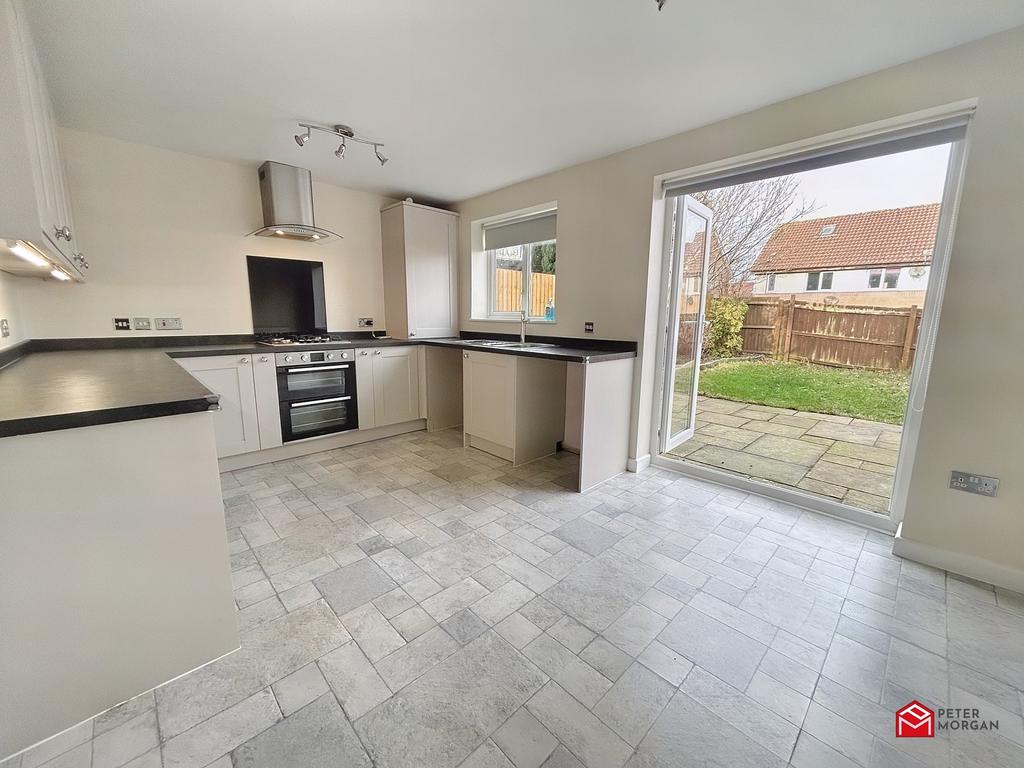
340	151
302	138
380	155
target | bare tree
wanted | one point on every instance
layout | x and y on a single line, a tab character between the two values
746	216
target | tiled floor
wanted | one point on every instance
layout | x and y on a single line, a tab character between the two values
406	603
849	460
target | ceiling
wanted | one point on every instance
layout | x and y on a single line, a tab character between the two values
468	95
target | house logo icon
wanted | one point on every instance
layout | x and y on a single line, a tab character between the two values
915	720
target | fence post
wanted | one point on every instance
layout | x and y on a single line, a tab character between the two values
908	337
790	311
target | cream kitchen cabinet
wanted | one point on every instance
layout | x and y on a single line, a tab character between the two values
236	424
513	406
35	205
388	387
419	252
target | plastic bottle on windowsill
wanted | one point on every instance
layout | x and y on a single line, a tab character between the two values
549	310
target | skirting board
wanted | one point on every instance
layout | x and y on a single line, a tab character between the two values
317	444
958	563
638	464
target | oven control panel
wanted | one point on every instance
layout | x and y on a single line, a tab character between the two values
304	358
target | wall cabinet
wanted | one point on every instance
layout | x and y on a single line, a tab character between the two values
236	424
513	406
35	205
419	254
388	386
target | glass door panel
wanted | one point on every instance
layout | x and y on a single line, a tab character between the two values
691	247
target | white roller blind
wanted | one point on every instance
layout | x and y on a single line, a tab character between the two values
535	229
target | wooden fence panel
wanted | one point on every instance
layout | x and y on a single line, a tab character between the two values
508	291
760	334
879	338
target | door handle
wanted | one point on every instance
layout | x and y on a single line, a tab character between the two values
321	402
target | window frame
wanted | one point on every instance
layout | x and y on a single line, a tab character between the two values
771	283
817	282
896	280
526	284
873	273
821	280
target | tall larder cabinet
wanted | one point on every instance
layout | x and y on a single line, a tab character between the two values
419	253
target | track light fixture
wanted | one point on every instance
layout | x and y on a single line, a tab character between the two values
346	134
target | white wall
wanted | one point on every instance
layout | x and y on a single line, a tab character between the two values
10	309
972	421
165	235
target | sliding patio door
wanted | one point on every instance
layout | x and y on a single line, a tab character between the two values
690	253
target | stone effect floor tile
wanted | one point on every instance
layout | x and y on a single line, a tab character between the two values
654	617
524	740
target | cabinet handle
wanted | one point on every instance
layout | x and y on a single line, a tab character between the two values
263	358
80	258
466	355
362	352
244	361
62	233
412	333
377	352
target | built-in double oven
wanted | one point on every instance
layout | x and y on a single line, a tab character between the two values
317	392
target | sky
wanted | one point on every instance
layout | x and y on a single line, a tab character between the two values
892	181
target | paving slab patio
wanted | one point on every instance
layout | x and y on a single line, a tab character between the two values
842	458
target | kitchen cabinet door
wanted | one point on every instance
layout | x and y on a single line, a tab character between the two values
35	204
268	408
236	424
364	388
396	385
489	402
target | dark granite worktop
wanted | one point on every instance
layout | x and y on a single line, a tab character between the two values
44	391
51	384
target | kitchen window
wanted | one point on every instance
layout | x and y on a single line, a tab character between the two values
888	278
819	281
520	256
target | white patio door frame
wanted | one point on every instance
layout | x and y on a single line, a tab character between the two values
925	122
677	266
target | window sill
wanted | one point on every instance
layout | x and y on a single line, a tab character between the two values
514	320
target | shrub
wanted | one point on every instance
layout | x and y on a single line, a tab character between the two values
722	337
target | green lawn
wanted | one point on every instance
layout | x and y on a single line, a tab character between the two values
874	395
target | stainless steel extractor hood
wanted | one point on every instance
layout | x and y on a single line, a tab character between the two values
287	194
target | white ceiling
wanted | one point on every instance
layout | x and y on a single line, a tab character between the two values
468	95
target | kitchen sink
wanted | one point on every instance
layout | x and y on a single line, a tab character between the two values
507	344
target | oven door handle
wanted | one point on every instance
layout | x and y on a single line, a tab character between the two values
314	369
320	402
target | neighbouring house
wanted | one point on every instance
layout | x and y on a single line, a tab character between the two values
871	258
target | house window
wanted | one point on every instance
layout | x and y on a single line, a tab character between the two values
771	283
828	230
520	256
812	280
826	281
887	278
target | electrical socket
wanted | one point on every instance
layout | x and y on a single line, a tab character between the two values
980	484
141	324
168	323
588	327
122	324
366	322
5	329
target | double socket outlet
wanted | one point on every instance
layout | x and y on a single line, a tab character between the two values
146	324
